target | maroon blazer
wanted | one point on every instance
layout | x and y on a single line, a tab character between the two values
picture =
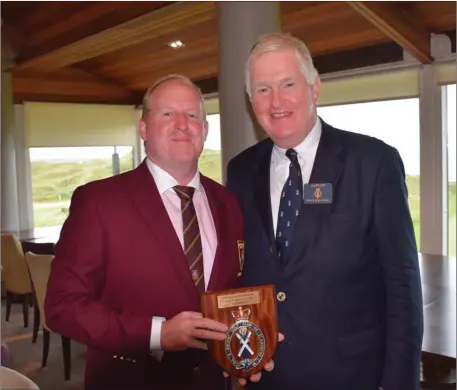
117	264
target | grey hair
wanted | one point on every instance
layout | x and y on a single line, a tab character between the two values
170	77
281	41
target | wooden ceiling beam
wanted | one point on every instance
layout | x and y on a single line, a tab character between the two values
329	27
296	15
91	13
155	52
64	23
196	68
69	85
151	25
65	85
397	25
182	59
20	98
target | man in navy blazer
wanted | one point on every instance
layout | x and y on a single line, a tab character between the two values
327	222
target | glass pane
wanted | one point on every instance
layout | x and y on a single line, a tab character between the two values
125	158
395	122
56	172
451	146
210	163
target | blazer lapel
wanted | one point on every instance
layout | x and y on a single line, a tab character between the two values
149	204
327	168
262	196
218	213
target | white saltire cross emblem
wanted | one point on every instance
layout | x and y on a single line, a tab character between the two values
244	343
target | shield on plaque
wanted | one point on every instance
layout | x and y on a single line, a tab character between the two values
251	315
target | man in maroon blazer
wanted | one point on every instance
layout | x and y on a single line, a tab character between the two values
138	248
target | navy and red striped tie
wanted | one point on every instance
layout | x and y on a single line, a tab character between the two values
192	239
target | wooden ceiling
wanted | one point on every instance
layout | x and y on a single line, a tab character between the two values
109	52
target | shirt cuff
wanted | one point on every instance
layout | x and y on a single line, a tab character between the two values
154	344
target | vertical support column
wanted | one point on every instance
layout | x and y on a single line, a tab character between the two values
433	194
23	170
240	23
9	191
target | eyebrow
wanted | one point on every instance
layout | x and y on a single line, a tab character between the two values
264	83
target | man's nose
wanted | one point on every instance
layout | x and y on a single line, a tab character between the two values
181	122
275	98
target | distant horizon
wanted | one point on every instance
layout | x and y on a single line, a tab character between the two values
73	154
395	122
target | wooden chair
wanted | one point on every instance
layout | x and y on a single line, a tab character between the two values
40	267
15	275
41	248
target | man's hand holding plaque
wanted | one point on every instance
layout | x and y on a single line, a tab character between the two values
251	317
268	367
190	330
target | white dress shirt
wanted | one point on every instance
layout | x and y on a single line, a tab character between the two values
165	183
279	166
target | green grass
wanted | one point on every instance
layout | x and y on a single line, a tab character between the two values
54	182
210	164
413	185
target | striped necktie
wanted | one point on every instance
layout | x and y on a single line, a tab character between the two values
192	240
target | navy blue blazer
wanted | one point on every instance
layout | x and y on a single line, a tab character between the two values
352	315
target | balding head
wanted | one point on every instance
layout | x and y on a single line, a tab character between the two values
167	79
173	126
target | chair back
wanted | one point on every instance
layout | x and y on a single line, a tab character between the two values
13	380
14	268
39	268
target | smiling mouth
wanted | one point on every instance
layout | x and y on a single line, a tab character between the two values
280	115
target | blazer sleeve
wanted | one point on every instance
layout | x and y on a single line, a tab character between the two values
399	261
73	307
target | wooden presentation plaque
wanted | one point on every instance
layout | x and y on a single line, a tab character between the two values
250	313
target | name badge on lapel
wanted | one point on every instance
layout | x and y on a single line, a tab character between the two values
240	255
318	193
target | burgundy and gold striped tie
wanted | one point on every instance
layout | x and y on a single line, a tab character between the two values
192	240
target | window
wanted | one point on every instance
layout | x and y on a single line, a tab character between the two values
56	172
450	118
125	158
210	163
395	122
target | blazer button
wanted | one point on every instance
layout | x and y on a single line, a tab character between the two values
272	250
281	296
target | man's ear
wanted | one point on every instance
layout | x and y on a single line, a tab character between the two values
142	129
316	89
205	129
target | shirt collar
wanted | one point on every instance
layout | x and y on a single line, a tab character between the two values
310	143
165	181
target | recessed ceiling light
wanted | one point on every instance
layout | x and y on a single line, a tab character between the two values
176	44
